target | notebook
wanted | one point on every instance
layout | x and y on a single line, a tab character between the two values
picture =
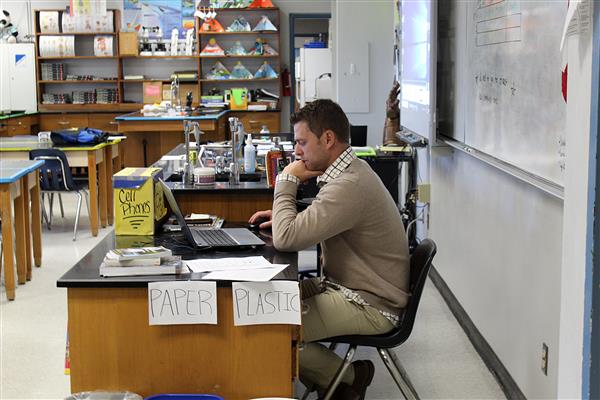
227	238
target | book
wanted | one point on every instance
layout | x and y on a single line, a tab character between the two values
169	265
113	261
134	253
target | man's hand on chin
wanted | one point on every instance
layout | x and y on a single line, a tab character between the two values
299	170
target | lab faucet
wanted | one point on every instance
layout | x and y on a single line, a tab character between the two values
175	94
190	127
236	128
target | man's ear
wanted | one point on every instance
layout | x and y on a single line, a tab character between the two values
330	138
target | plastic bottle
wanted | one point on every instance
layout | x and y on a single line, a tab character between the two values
264	130
249	156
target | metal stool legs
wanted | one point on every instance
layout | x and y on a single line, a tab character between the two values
398	373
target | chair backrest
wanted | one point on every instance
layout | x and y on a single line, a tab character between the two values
420	263
358	135
55	174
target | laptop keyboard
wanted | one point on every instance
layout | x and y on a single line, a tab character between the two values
213	237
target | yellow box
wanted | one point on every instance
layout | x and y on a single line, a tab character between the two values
139	201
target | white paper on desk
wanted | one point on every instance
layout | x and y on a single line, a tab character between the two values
180	157
249	275
229	263
182	302
256	303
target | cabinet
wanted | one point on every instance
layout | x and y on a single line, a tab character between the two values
254	121
23	125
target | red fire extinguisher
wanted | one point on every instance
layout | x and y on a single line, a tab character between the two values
286	89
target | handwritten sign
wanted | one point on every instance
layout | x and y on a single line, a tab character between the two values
275	302
186	302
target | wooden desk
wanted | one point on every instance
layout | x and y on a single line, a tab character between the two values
91	157
17	180
148	138
112	346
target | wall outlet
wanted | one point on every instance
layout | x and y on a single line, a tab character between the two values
545	359
424	192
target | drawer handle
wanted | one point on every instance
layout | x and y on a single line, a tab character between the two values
64	122
113	123
254	122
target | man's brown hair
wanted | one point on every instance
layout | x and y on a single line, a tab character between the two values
321	115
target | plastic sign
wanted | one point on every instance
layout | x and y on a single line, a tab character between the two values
275	302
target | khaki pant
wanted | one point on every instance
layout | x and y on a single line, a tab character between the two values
326	314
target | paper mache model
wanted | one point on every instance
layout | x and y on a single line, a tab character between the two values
8	32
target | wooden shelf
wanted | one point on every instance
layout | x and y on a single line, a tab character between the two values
117	107
149	80
78	58
241	56
241	33
247	9
239	80
65	81
163	57
76	34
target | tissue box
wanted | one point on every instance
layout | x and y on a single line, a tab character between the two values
139	201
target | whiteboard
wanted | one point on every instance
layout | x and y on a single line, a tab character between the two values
513	104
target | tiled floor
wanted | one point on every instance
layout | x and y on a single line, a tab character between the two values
438	357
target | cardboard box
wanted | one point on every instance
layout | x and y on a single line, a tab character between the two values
128	44
152	92
184	88
139	201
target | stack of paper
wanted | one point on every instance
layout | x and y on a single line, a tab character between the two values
252	269
139	261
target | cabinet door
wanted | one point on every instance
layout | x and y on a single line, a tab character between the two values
56	122
105	122
21	126
253	121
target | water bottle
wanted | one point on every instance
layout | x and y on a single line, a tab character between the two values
249	156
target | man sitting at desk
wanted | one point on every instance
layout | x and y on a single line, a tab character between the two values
365	250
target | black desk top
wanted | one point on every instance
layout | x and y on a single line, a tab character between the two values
86	272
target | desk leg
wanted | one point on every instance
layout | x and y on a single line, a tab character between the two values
7	241
93	182
20	238
102	191
27	223
36	220
108	162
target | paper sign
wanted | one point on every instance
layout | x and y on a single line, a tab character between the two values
256	303
185	302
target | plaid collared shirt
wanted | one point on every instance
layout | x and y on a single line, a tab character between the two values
332	172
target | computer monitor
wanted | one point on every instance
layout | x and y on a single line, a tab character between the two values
358	135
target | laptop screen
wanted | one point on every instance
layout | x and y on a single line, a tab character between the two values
171	200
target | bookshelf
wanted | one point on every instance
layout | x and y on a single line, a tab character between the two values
155	68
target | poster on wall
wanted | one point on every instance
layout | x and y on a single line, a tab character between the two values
166	14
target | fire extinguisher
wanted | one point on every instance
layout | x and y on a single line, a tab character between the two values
285	83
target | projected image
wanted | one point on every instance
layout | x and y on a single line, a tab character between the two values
415	52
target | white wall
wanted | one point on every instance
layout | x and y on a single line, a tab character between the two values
286	8
355	22
579	50
514	256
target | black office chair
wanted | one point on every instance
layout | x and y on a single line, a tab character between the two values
358	135
55	177
420	263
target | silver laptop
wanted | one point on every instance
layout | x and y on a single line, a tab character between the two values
231	238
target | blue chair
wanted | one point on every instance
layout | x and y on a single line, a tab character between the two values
55	177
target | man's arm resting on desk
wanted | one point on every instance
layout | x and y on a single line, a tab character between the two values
336	209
